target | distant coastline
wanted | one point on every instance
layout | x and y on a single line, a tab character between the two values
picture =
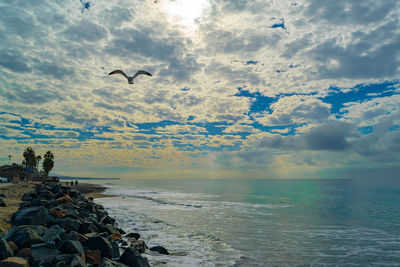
64	178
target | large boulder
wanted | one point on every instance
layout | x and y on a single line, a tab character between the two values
44	253
14	262
69	260
93	256
24	236
29	196
37	215
54	234
24	253
71	247
102	244
5	249
132	258
69	224
2	204
110	263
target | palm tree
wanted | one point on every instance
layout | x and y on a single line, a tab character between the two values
30	160
48	163
9	159
38	158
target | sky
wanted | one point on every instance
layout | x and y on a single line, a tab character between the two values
240	88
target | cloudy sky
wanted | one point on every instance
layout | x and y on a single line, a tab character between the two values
240	88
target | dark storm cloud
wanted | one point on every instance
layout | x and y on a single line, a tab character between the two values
331	136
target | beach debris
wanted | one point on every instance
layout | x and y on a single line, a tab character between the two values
130	79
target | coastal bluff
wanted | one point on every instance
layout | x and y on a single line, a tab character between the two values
58	226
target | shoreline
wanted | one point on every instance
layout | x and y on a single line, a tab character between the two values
14	193
55	224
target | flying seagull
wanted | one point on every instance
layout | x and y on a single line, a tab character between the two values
130	79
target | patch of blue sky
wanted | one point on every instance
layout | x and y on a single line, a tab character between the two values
85	5
366	130
251	62
360	93
279	25
260	103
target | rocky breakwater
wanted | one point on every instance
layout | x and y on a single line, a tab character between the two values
56	226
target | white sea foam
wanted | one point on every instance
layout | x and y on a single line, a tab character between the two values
210	230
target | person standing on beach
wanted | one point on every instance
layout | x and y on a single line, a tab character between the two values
76	184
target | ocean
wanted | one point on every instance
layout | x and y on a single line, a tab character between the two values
305	222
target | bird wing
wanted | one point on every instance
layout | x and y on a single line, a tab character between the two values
141	72
119	72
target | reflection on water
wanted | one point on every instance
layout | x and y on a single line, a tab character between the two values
260	222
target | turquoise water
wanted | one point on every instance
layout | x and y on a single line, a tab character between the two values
263	222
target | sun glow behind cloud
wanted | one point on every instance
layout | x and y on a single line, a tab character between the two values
184	12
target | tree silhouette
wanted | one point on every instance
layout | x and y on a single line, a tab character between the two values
48	163
30	160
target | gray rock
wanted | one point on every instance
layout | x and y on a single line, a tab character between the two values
102	244
110	229
87	227
5	249
43	252
69	224
2	204
68	260
139	245
160	249
3	195
54	234
29	196
24	236
135	235
115	247
71	247
132	258
109	263
30	216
